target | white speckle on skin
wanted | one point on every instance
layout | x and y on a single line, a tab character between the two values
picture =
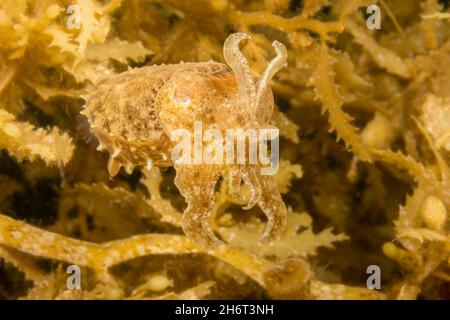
149	164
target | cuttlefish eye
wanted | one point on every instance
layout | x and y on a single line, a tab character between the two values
181	99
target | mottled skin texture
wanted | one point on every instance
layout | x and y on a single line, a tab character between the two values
134	113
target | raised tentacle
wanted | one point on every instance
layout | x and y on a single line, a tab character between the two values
274	66
196	184
273	207
238	62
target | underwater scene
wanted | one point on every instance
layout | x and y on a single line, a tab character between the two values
224	149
